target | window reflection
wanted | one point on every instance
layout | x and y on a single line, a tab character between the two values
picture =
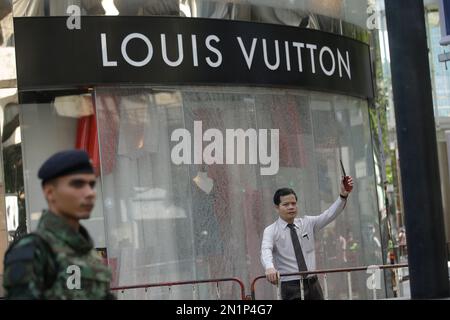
13	170
337	16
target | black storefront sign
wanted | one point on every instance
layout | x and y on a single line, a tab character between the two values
184	51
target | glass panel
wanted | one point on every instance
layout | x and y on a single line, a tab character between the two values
62	117
439	71
12	210
8	103
13	170
204	219
363	239
149	223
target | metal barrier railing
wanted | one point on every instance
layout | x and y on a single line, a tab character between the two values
373	268
189	282
252	296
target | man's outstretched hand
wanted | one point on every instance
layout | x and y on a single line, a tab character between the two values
346	186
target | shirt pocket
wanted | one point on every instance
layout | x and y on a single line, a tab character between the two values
307	242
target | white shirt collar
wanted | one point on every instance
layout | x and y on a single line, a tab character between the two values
283	224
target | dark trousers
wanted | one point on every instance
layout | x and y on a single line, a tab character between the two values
290	290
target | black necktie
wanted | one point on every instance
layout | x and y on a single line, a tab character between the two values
298	249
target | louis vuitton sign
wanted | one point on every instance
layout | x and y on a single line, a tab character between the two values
185	51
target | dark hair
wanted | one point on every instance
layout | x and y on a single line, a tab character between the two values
281	193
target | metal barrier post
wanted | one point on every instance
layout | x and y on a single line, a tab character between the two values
374	291
400	280
217	291
374	271
397	283
302	293
350	290
278	289
325	286
193	292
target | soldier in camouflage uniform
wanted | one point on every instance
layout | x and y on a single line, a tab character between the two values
58	260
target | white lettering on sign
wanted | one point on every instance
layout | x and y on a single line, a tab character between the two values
309	57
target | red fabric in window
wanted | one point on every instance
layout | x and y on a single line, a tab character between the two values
87	135
87	140
82	139
109	123
93	151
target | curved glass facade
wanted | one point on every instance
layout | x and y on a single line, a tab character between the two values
167	222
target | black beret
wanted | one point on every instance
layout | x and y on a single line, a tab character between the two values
64	163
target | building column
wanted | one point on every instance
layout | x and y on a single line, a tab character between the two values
417	145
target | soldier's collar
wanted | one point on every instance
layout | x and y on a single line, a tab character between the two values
79	241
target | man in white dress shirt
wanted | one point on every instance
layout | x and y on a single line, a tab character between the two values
288	243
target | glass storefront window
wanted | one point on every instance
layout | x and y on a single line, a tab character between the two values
62	117
439	70
11	198
9	202
169	222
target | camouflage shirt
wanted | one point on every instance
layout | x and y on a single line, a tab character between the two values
55	262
